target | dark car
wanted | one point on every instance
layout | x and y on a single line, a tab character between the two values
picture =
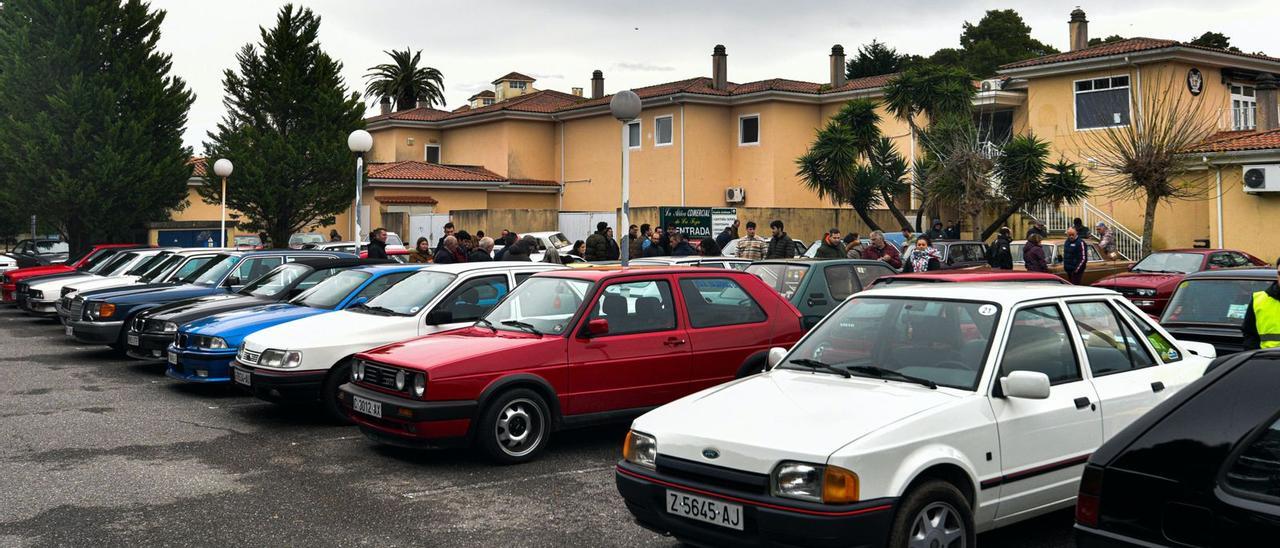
102	316
40	252
955	253
1209	306
816	287
1200	469
1151	282
149	333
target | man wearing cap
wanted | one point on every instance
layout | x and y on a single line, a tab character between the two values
830	247
1261	327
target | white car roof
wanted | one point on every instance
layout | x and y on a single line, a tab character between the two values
462	268
1003	293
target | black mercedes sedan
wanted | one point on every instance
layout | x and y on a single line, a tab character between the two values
1209	306
1200	469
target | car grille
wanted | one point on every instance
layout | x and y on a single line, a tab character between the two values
1127	291
138	325
707	474
381	375
248	357
153	326
180	340
75	309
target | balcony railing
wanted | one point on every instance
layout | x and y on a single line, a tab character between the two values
1058	219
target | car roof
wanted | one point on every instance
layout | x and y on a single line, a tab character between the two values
811	261
202	250
460	268
690	259
976	275
1260	273
1006	294
391	267
343	262
614	271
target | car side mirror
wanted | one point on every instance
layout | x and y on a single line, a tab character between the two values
1032	385
775	357
232	281
808	321
597	327
439	317
358	301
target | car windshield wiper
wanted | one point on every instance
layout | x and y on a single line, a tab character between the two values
522	325
487	323
880	372
815	364
379	310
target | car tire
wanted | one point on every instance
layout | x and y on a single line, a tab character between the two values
338	376
754	363
515	427
933	511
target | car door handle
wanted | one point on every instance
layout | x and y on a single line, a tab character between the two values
1082	402
674	341
1157	386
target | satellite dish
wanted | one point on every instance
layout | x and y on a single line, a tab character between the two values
1255	178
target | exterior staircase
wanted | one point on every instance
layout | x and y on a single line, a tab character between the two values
1058	219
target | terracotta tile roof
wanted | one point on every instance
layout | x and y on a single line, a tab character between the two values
407	200
199	168
462	108
533	182
419	114
481	95
421	171
1234	141
702	85
1121	47
514	76
545	101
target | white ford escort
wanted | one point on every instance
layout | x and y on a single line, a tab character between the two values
915	416
308	359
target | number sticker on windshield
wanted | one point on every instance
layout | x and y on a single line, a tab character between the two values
987	310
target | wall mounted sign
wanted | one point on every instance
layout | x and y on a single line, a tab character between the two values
1195	81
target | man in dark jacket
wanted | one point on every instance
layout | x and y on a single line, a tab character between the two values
655	248
448	231
725	236
1038	228
1261	327
378	244
999	255
633	242
1033	255
681	246
598	243
482	252
450	252
780	245
937	233
1082	231
1075	257
521	250
508	240
953	231
831	247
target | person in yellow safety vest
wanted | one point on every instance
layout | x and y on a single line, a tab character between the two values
1261	325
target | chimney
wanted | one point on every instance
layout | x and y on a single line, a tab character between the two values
597	84
577	92
422	103
1268	116
837	66
1079	27
719	68
385	105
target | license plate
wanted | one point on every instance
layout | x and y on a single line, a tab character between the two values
132	340
368	407
704	509
70	331
173	358
243	377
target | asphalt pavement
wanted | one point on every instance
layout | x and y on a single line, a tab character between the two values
98	450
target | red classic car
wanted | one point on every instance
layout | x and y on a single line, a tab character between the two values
96	254
566	349
1150	283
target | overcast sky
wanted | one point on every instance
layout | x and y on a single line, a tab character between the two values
638	43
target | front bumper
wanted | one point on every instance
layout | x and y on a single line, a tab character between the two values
201	366
411	423
148	346
1150	305
95	332
281	386
8	293
767	520
33	307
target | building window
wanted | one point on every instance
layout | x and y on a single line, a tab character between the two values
633	134
749	129
517	85
488	102
1244	107
1102	102
662	131
432	154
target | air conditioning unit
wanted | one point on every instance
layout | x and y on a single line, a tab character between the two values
1262	178
735	195
992	84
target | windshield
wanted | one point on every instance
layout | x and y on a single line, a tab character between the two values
1212	301
117	264
311	238
190	270
148	264
783	278
940	341
328	293
93	257
393	239
276	281
45	247
547	304
558	240
409	296
212	273
161	269
1184	263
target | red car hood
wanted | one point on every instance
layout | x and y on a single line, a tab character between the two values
1140	279
28	272
476	349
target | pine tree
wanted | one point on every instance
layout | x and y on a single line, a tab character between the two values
288	117
91	120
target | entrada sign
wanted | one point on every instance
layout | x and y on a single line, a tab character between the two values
697	222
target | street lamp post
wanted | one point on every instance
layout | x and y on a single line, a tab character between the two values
625	106
222	168
359	142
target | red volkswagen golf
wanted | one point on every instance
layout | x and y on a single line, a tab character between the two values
568	349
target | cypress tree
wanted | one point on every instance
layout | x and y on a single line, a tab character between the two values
288	117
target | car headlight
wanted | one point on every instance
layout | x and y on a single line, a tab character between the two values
401	377
285	359
213	343
66	290
419	384
101	311
170	327
640	450
357	371
35	294
1146	292
815	483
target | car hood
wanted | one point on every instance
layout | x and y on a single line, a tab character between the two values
59	282
195	308
471	351
1140	279
159	295
341	329
760	420
104	283
235	326
20	274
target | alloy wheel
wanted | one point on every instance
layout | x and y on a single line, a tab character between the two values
520	427
937	525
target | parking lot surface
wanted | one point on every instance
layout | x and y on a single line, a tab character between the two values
98	450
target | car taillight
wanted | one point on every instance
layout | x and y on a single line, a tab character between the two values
1089	501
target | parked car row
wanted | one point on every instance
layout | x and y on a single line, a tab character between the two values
793	402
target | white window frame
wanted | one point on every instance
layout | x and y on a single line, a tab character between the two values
759	128
439	151
1075	114
515	84
1248	117
486	101
640	139
672	119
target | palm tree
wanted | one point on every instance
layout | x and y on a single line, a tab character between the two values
1026	178
405	82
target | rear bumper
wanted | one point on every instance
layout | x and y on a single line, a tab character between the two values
96	332
766	520
280	386
411	423
201	367
1088	537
